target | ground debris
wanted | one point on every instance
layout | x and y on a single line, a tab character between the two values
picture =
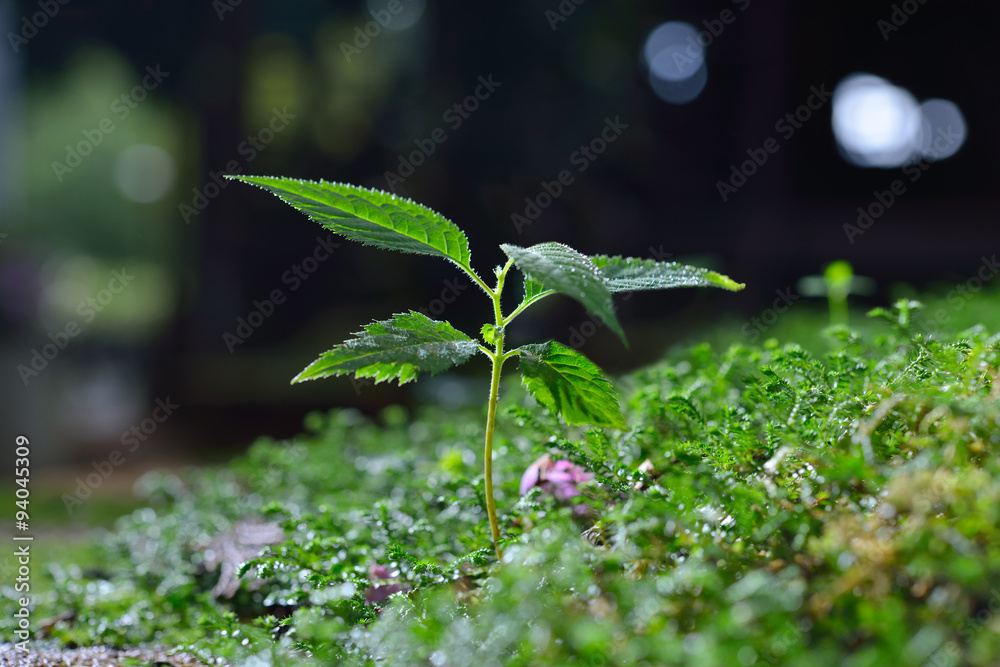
96	656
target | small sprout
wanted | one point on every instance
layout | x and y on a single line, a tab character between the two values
491	334
400	348
836	283
899	315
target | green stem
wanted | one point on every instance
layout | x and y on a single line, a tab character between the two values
491	510
497	357
479	281
510	353
839	313
517	311
501	276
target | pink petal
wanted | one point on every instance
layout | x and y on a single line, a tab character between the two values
374	594
535	472
529	478
559	477
566	491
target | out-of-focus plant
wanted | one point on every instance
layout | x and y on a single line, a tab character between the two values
837	282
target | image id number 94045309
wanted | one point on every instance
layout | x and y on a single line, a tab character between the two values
22	546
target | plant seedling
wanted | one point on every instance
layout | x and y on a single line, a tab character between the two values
836	283
559	377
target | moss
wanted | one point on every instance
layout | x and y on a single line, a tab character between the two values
765	505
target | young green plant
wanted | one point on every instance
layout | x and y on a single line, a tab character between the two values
837	282
559	377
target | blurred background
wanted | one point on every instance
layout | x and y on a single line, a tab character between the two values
149	307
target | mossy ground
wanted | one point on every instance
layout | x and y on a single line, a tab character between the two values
834	502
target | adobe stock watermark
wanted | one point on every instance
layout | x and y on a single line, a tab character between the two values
562	12
685	60
452	288
363	35
223	7
121	107
942	144
581	158
248	150
958	297
579	335
453	116
357	384
900	14
59	340
790	637
22	554
294	278
951	652
130	439
783	300
30	25
786	127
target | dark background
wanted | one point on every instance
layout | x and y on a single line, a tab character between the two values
653	190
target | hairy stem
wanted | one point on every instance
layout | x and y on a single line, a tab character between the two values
525	304
479	281
497	357
491	510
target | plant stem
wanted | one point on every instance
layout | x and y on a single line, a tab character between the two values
479	281
491	510
497	357
839	313
517	311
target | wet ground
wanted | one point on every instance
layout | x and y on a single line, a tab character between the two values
94	657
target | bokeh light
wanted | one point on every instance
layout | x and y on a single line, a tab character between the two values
144	173
675	58
942	129
128	298
876	123
406	17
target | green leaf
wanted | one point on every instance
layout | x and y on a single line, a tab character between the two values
532	288
684	406
558	267
396	348
569	384
491	334
372	217
629	274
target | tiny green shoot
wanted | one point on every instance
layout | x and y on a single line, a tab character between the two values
837	282
399	348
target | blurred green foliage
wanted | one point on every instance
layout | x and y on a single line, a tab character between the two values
93	110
